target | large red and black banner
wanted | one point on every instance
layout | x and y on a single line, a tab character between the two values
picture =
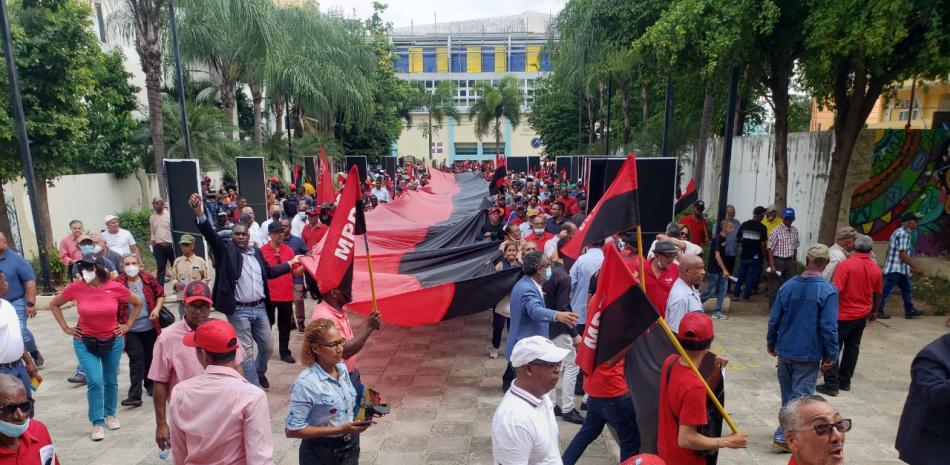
618	313
616	211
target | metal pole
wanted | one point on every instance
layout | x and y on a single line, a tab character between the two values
25	158
610	95
185	133
667	115
727	144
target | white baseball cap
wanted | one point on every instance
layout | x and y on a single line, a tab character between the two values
110	218
534	348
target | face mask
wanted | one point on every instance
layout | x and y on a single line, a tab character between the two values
547	273
88	276
131	271
13	430
539	231
97	249
87	249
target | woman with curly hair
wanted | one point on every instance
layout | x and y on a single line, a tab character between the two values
322	401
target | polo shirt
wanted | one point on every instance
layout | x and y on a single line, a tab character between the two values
524	430
311	235
11	339
857	278
658	288
338	317
282	287
18	271
698	229
683	396
683	299
36	447
173	361
770	225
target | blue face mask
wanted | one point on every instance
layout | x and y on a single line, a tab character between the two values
547	274
13	430
87	249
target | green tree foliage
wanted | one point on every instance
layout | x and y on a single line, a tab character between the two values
554	113
438	105
494	105
799	113
109	143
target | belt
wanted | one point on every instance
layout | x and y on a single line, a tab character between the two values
166	244
250	304
11	365
332	442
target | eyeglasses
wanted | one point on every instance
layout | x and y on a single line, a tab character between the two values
334	344
10	409
824	429
550	365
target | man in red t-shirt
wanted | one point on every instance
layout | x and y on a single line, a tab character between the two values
860	284
660	273
30	444
683	399
698	226
537	226
609	402
281	288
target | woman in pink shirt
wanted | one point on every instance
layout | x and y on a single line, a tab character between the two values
98	337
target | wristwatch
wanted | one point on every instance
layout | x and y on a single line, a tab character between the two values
31	304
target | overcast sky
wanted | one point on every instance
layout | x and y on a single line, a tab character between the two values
402	12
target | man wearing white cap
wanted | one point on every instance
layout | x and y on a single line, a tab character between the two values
119	240
524	429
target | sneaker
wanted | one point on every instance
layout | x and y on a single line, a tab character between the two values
826	390
719	316
77	378
263	381
98	433
112	423
913	315
130	403
493	353
780	447
39	361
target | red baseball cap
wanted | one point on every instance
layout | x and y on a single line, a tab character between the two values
216	336
696	326
274	179
198	290
644	459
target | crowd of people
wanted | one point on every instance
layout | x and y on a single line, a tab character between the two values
208	377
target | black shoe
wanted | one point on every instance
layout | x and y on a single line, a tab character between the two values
263	381
288	358
845	388
78	378
557	410
131	403
150	390
883	316
824	389
913	315
584	406
300	326
573	417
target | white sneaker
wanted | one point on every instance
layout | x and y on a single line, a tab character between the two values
98	433
112	423
493	353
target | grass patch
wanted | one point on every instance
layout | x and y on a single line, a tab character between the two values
934	290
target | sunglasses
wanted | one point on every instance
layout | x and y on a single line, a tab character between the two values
334	344
10	409
824	429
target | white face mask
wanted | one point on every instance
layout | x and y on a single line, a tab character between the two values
539	231
97	249
88	276
131	271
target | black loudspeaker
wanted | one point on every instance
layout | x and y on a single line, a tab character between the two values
360	162
389	164
534	163
563	165
182	178
251	184
578	164
656	180
311	170
516	164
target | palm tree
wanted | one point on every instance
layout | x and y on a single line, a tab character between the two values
208	128
493	104
439	104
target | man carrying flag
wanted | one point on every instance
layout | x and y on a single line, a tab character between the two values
498	176
335	273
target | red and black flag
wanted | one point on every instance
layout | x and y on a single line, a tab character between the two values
325	190
498	176
689	197
297	177
618	313
339	246
618	210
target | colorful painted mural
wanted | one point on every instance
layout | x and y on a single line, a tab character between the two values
910	172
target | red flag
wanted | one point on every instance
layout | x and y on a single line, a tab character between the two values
411	171
616	211
617	314
498	176
336	258
689	197
325	191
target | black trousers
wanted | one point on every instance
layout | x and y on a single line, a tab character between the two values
312	286
849	339
285	323
330	451
139	346
507	378
164	256
498	324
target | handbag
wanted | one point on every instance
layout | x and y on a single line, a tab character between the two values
165	317
98	346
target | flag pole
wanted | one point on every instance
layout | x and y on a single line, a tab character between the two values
369	267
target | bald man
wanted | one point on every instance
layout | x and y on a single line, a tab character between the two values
684	297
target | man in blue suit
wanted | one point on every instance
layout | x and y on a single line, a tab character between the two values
529	316
923	437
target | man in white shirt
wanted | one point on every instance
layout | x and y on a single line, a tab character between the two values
684	297
524	429
840	250
275	212
679	240
381	193
119	240
253	228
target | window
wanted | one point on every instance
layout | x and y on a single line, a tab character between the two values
904	105
466	150
944	102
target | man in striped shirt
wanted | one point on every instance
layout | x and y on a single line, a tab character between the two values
898	265
782	247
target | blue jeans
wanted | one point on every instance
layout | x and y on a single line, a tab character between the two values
102	379
28	341
615	411
252	326
19	372
715	282
750	270
796	379
890	280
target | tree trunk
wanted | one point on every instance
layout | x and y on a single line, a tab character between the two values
590	119
625	109
780	152
278	114
601	109
705	121
155	125
42	205
743	103
497	137
5	227
645	102
257	94
227	90
429	133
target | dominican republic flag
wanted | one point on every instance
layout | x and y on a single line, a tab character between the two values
689	197
336	257
618	313
498	176
325	191
617	211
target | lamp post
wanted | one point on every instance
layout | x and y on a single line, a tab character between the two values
25	158
727	144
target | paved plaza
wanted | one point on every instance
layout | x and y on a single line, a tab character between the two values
443	389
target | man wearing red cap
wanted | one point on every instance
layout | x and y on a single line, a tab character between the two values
219	417
683	399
